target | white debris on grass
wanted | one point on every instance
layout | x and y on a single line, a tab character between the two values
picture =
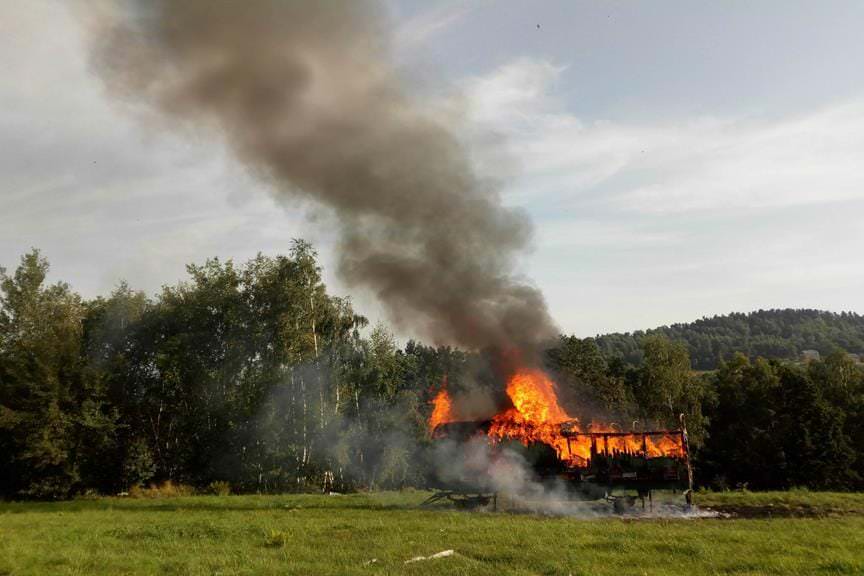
442	554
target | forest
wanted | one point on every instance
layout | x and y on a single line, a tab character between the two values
252	376
782	334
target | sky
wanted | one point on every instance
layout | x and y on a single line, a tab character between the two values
678	159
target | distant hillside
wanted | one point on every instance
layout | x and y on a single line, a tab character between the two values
768	333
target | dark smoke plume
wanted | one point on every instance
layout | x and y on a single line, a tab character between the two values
306	94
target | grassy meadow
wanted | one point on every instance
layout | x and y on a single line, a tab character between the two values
774	533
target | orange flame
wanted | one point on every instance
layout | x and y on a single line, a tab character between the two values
442	411
536	416
533	395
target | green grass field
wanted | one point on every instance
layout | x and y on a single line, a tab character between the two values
377	533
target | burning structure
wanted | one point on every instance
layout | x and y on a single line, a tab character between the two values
560	448
310	98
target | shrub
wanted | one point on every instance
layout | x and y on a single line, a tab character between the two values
276	538
165	490
219	488
139	466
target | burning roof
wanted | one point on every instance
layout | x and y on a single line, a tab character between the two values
536	416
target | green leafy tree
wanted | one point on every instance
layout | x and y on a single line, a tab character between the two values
252	374
781	334
665	387
587	380
778	425
744	439
54	422
813	436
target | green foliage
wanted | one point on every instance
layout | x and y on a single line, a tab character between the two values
252	376
781	334
219	488
777	425
666	388
167	489
276	538
655	394
138	465
55	425
587	379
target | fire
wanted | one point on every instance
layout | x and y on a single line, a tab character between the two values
536	416
442	411
533	396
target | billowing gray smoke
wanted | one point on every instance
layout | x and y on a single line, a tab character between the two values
307	95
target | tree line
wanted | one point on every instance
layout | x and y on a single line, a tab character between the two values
254	375
760	423
781	334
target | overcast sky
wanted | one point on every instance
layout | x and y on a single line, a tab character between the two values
679	159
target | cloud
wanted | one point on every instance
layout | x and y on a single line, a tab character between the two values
431	22
637	224
101	197
685	165
813	159
642	224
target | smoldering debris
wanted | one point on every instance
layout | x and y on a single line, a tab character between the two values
476	467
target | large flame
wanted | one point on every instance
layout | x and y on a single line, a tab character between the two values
442	411
533	395
536	416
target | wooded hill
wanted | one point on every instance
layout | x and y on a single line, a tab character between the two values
781	334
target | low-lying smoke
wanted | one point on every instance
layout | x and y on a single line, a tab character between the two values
307	95
479	467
